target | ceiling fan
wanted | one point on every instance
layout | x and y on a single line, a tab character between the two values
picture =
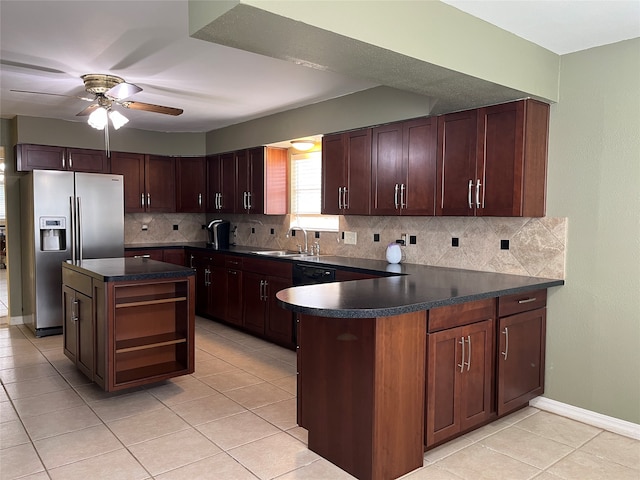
109	90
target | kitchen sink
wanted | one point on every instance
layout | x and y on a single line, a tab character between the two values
278	253
281	253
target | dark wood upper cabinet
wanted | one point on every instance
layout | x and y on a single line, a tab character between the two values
149	182
492	161
346	173
221	183
191	185
160	184
261	181
403	169
47	157
131	166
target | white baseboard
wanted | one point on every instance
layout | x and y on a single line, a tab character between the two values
611	424
18	320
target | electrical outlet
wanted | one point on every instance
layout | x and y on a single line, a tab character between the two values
350	238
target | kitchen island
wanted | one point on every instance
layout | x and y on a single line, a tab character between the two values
386	366
128	321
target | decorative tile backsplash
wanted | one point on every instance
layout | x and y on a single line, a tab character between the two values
536	246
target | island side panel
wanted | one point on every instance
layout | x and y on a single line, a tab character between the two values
361	391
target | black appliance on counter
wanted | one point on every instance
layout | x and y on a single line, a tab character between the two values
218	234
311	275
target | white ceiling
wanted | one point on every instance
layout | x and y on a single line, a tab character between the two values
47	45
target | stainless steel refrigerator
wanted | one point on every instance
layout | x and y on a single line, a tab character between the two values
65	216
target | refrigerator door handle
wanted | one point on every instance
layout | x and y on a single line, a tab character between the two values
79	227
72	229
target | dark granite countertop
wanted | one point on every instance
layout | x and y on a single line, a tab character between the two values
404	287
420	288
118	269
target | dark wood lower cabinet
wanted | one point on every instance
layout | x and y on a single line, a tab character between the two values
459	379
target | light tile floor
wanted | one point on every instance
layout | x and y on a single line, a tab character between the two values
234	418
4	292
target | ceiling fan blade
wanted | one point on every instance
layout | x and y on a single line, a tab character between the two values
88	110
149	107
87	99
123	90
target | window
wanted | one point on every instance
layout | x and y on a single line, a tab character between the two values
306	193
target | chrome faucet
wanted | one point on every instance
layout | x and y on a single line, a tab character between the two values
306	244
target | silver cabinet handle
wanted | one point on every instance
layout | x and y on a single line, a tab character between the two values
142	256
63	161
402	202
345	203
266	290
462	362
469	353
249	200
469	194
527	300
70	161
199	200
244	200
142	200
339	198
74	310
505	332
191	261
395	196
148	199
478	194
207	277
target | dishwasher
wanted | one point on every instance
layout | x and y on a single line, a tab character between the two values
311	275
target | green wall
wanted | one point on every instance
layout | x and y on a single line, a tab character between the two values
593	336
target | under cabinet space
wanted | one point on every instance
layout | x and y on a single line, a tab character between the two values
153	362
147	294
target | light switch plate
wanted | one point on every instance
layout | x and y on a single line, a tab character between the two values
350	238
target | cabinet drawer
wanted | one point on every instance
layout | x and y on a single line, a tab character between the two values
442	318
77	281
521	302
267	267
233	262
152	253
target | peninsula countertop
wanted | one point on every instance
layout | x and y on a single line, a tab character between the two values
416	288
127	269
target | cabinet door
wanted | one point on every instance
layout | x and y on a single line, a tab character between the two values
444	362
358	158
279	323
254	288
276	178
174	256
256	164
242	182
419	145
456	157
69	330
521	351
160	184
131	166
512	158
85	332
191	185
84	160
201	265
234	296
227	183
476	380
41	157
333	167
214	190
458	380
218	290
386	169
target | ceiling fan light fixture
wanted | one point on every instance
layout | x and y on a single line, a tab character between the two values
303	144
98	118
117	119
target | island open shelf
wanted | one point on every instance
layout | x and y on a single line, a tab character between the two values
131	329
